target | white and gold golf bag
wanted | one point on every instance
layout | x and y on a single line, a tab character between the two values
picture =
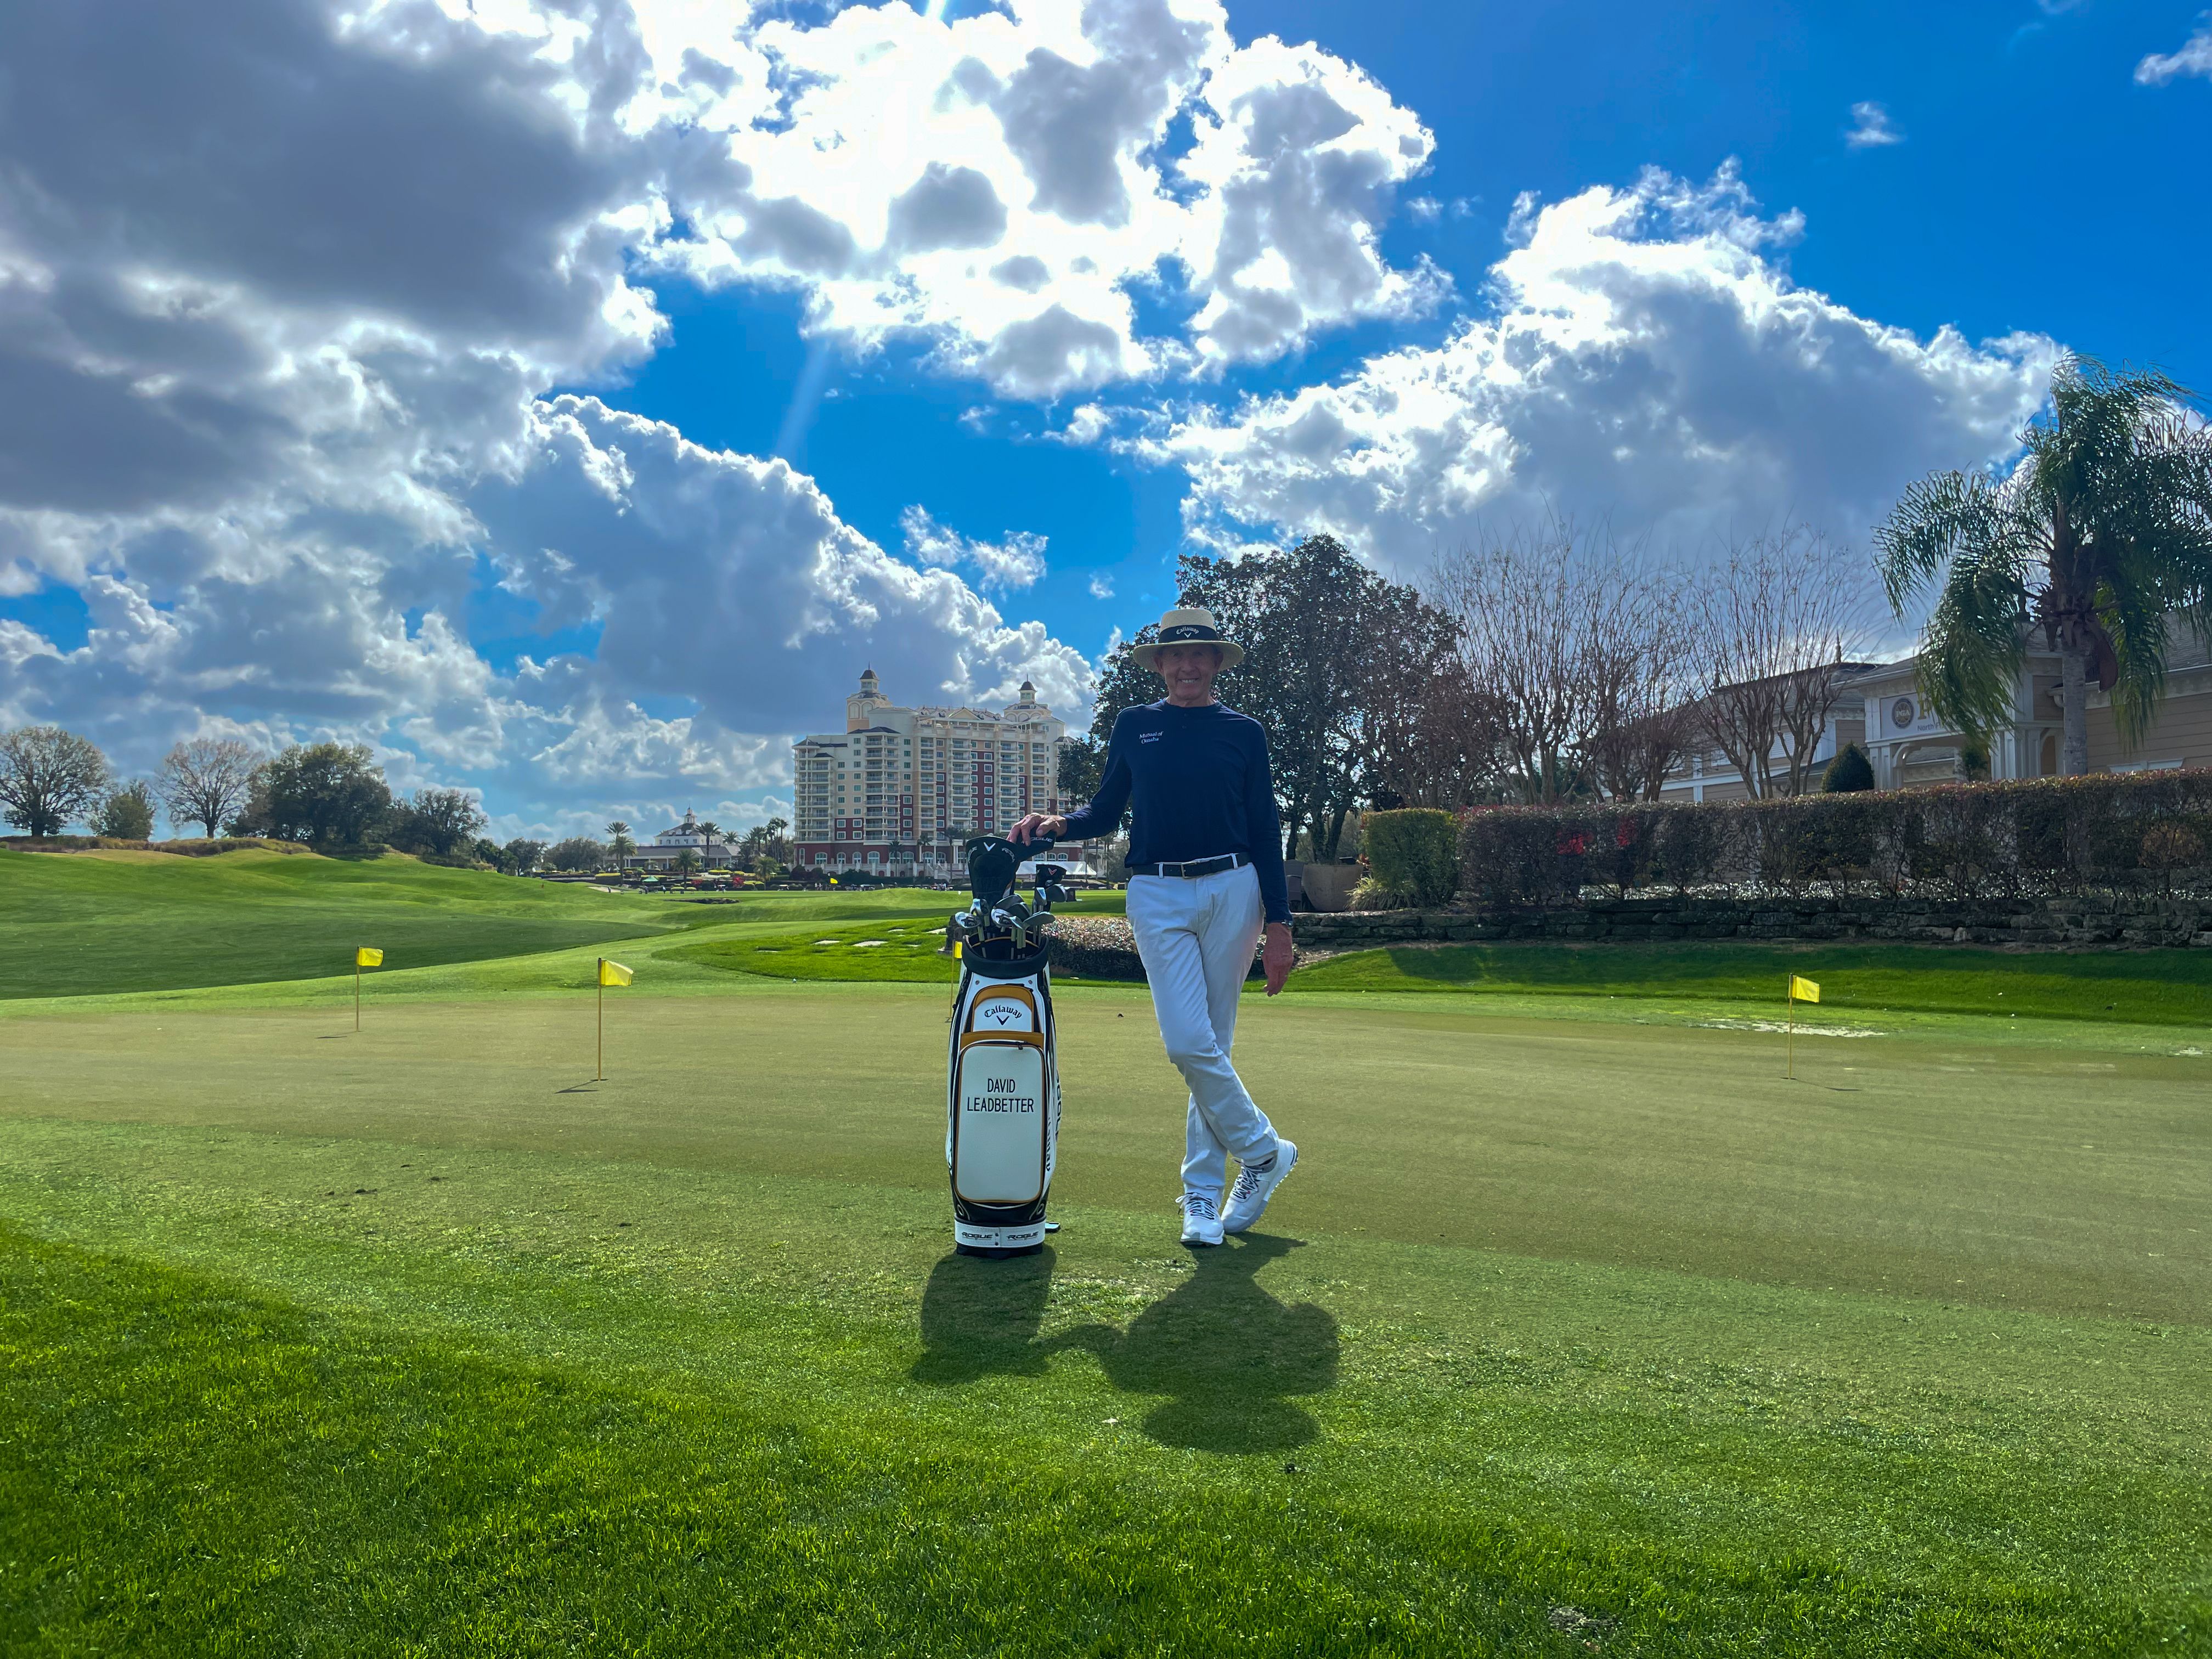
1003	1108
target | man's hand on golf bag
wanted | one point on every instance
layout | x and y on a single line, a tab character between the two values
1036	823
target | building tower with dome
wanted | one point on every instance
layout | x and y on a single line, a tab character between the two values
898	790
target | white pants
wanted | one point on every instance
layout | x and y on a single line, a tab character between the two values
1195	937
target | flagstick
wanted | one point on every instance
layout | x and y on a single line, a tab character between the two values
602	977
356	990
1789	1042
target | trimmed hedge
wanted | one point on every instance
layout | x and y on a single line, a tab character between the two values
1102	947
1413	852
2148	832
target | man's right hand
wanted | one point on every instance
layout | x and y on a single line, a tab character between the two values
1036	824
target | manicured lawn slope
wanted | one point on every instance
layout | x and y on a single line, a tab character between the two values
2152	987
420	1341
76	924
901	949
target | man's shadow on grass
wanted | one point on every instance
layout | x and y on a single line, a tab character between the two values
1229	1357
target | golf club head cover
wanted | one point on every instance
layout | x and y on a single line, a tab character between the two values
991	866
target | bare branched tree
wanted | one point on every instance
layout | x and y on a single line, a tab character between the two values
206	781
1432	738
1774	626
1639	660
1576	643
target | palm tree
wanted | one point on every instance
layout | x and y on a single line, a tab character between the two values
2099	537
709	833
619	843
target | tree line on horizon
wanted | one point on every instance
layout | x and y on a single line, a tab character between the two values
330	796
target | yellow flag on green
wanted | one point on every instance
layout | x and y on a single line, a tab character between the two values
1803	990
612	972
368	956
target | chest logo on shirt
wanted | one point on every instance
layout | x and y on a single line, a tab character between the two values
1150	737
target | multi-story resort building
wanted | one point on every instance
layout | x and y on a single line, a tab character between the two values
898	790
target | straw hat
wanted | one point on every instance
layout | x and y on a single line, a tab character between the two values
1191	627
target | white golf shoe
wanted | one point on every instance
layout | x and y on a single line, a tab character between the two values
1202	1221
1254	1188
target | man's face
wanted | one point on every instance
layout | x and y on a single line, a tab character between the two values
1188	670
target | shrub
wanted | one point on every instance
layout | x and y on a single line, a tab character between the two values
127	814
1414	852
2147	832
1850	772
1369	894
1093	947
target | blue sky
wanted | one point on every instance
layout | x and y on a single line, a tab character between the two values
2034	187
569	402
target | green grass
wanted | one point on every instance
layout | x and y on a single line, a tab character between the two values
2162	988
898	949
420	1341
105	922
901	951
1580	1329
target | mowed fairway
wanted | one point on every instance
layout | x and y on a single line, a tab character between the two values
77	923
1572	1335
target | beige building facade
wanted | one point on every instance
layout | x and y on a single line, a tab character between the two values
1882	710
899	789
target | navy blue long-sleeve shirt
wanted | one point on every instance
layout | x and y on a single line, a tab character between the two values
1199	781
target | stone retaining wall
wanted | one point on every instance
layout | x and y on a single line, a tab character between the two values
2050	922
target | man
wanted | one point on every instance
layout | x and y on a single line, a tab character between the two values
1205	876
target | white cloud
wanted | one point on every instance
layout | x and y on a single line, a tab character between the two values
2193	58
1649	360
1101	586
1871	128
1004	183
276	412
274	420
1017	561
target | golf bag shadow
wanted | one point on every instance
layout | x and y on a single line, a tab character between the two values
1002	1128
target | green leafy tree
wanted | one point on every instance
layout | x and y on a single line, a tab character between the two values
2099	540
1330	648
1328	643
49	776
685	863
127	814
578	854
330	794
1082	763
443	823
522	856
